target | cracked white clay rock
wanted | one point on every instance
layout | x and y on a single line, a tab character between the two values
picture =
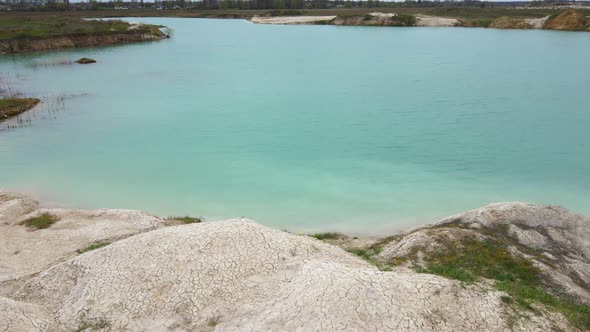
234	275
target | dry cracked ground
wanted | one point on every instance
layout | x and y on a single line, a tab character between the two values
510	266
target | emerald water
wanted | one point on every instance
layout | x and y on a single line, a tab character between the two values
308	128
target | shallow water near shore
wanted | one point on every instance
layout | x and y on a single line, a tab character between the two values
308	128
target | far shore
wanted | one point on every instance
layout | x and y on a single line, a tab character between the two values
568	20
35	31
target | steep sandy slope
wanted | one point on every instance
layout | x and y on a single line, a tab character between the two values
568	20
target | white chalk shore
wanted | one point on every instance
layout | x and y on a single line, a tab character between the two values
152	274
290	19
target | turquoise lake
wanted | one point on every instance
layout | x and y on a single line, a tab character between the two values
307	128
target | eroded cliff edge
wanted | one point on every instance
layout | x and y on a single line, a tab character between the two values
124	270
54	43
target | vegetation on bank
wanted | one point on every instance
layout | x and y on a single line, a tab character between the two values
91	324
328	236
39	25
47	25
487	253
10	107
41	222
187	219
93	246
369	254
472	259
459	12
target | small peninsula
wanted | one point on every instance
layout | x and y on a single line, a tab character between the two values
10	107
23	32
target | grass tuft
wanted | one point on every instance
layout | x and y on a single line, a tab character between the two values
506	299
328	236
369	255
188	220
93	246
41	222
213	321
13	106
85	324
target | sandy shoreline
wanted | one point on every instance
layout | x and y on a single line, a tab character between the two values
569	20
290	19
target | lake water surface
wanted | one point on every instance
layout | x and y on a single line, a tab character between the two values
308	128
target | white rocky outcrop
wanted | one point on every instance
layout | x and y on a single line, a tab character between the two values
25	252
435	21
232	275
555	239
290	19
13	206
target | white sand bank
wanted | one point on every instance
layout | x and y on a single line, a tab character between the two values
290	19
433	21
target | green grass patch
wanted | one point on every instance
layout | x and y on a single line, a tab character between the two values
93	246
449	272
489	259
187	219
470	259
525	295
506	299
328	236
41	222
369	255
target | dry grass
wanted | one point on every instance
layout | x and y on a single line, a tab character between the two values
10	107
